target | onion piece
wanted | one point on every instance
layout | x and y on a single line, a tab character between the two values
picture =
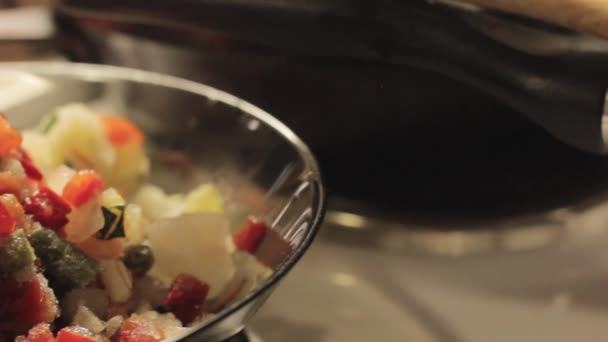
117	280
194	244
87	319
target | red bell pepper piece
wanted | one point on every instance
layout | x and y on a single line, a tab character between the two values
7	221
40	333
48	208
10	138
85	185
73	335
249	237
28	166
186	298
22	306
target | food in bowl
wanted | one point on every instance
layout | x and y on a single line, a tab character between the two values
91	252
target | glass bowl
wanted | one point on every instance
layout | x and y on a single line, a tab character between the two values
195	133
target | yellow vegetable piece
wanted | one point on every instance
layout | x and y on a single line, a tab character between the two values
204	198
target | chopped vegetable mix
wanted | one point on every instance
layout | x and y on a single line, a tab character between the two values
81	263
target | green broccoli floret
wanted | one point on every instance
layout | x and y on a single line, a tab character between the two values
16	253
65	266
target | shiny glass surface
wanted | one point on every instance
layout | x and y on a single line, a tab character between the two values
195	133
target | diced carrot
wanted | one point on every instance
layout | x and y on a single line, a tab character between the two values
69	335
120	131
11	203
102	249
249	237
10	138
82	187
7	221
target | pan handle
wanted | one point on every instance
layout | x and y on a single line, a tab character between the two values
564	94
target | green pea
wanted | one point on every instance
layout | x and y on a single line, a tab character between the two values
139	259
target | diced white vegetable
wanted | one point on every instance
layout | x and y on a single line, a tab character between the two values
155	203
175	205
204	198
251	271
110	198
58	177
87	319
78	135
194	244
38	147
84	221
152	200
95	299
13	166
134	223
117	280
112	325
131	166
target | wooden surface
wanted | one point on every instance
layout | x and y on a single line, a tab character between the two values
589	16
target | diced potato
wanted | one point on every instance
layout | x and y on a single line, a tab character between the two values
117	280
87	319
58	177
152	200
204	198
40	150
110	198
84	222
135	224
131	167
194	244
251	271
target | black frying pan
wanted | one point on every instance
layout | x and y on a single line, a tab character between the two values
562	91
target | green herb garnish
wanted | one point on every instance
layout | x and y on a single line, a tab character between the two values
47	123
